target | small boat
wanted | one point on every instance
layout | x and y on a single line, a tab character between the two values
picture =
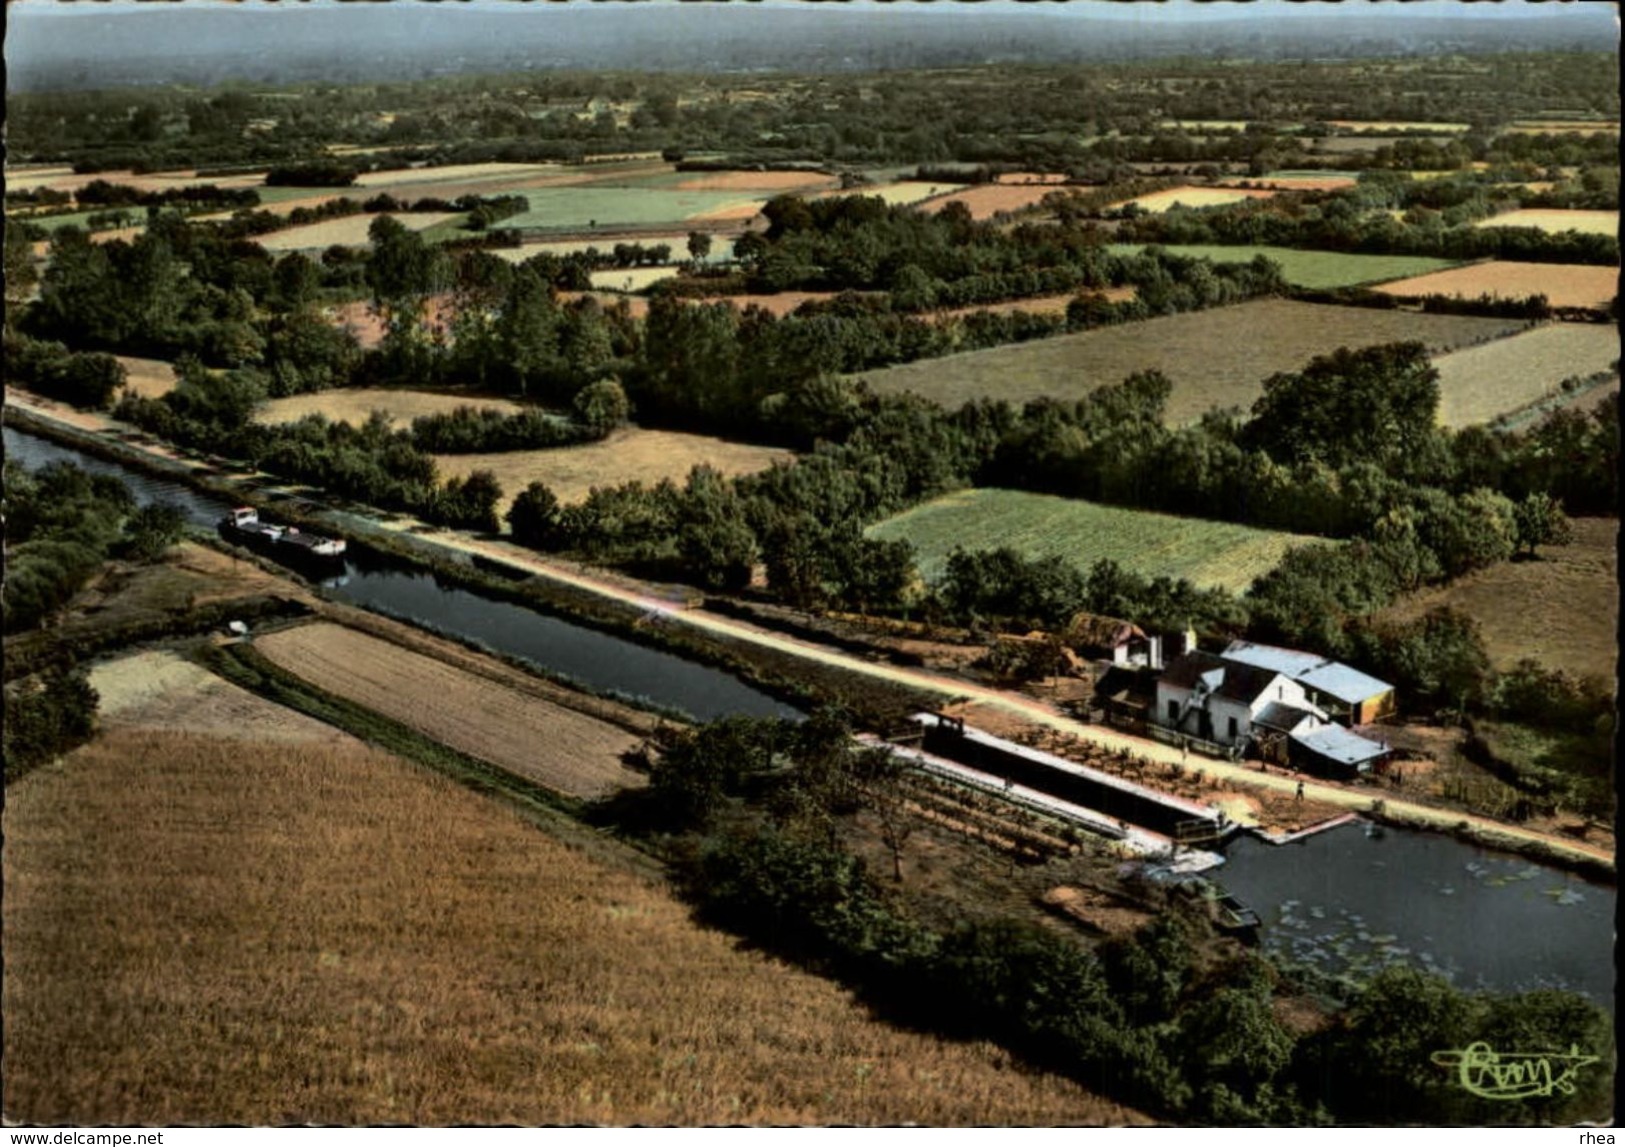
285	543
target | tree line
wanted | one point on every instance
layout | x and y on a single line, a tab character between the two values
759	819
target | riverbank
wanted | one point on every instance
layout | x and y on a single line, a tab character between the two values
772	660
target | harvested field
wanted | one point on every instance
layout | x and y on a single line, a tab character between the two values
721	246
1295	181
323	934
1565	127
1215	358
148	377
161	690
777	305
626	455
407	175
631	279
1412	127
1479	383
989	199
356	406
1562	610
64	178
903	192
1556	220
1042	525
528	735
1562	284
1316	270
1018	178
774	181
350	231
739	211
1160	201
1043	305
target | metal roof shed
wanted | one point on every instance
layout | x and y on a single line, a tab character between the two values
1333	749
1347	685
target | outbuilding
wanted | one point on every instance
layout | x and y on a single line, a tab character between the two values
1333	751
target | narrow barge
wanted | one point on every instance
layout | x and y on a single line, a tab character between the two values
283	543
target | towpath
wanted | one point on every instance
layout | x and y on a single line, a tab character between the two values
949	688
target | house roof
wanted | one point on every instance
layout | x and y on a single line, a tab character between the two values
1186	669
1093	629
1336	743
1235	682
1284	718
1311	670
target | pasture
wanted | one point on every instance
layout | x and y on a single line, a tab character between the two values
1315	270
592	206
1211	554
1215	358
528	735
628	454
1554	221
1481	382
356	405
1562	610
1562	284
223	930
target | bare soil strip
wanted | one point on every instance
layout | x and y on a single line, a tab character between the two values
529	736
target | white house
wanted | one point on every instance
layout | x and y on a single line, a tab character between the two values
1221	701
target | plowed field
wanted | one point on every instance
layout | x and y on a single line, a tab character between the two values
567	751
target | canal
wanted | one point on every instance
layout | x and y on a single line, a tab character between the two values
1347	900
599	661
1354	898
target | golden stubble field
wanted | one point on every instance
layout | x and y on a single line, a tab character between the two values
528	735
628	454
1564	285
209	929
355	406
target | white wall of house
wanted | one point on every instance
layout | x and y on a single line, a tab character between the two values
1232	720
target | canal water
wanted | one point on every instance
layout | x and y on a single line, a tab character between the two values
1347	900
600	661
1354	898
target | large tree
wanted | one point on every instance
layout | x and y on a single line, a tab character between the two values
1376	404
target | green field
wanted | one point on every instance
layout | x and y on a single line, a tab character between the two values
575	208
1315	270
1210	554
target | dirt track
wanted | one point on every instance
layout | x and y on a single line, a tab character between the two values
664	611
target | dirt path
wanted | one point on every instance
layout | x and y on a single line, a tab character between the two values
972	696
665	611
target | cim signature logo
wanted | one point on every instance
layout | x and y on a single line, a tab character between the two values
1492	1074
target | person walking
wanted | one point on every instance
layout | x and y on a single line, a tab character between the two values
1300	790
